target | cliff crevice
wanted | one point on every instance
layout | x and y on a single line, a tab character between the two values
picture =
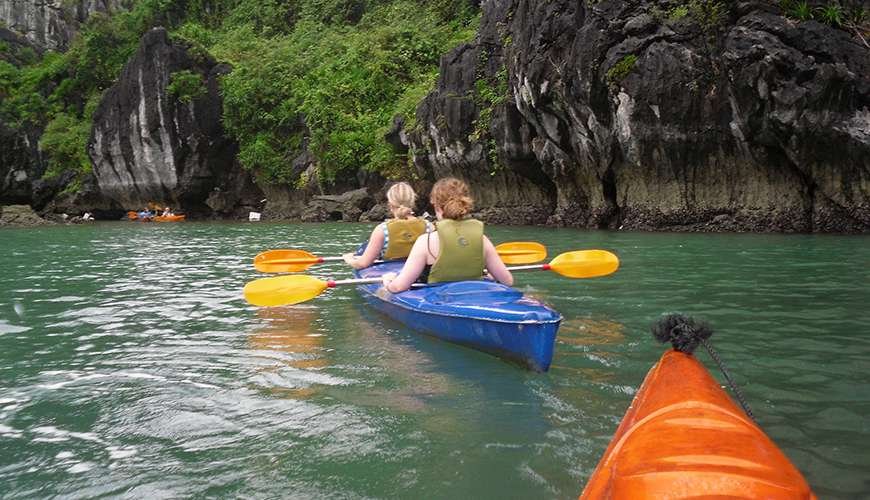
653	115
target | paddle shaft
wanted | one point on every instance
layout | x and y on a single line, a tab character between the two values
357	281
363	281
334	259
543	267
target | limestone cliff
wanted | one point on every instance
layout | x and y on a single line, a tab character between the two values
21	162
149	144
52	24
655	115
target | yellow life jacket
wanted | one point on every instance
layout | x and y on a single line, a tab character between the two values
401	235
461	251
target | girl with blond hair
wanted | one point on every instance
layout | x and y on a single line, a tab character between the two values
457	251
393	238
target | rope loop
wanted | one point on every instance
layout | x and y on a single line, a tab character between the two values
684	334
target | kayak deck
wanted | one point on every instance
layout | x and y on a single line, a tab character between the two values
480	314
683	437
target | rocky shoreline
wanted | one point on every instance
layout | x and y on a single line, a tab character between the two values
606	115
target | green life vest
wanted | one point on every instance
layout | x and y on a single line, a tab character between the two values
401	235
461	256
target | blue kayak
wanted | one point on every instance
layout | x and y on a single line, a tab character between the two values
480	314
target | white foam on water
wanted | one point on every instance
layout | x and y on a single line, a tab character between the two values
117	453
6	431
81	467
6	327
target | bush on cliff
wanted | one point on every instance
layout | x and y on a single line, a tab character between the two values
334	81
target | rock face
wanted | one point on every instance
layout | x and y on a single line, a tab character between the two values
718	116
151	145
52	24
20	215
345	207
21	162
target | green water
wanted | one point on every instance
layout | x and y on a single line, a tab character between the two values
130	365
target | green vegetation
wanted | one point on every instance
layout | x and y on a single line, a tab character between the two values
798	10
488	93
855	19
186	85
61	91
678	12
831	14
709	14
329	74
621	69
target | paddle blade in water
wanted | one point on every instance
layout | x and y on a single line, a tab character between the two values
284	261
521	252
585	263
283	290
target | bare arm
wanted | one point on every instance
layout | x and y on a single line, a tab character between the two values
411	270
494	264
376	242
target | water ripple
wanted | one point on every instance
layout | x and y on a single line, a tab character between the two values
130	366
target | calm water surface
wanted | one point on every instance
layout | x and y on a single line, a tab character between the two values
130	365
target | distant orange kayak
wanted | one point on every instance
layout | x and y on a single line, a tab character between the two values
169	218
683	437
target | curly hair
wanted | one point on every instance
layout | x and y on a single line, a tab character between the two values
451	195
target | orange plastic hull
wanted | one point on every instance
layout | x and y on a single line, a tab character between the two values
683	437
169	218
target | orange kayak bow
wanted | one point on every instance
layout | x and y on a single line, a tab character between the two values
683	437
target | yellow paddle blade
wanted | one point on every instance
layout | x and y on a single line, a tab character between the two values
521	252
283	290
585	263
284	261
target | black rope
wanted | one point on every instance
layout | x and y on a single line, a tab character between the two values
684	334
731	383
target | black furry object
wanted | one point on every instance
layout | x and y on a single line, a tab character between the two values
683	332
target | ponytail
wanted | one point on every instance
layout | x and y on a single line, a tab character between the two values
401	197
452	197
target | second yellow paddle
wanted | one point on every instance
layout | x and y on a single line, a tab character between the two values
294	261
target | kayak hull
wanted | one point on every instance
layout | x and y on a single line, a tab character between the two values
683	437
482	315
169	218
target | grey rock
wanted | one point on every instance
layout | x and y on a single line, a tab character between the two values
148	145
20	216
757	115
377	213
346	207
52	24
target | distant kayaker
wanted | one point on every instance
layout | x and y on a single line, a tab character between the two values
167	212
457	251
394	238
